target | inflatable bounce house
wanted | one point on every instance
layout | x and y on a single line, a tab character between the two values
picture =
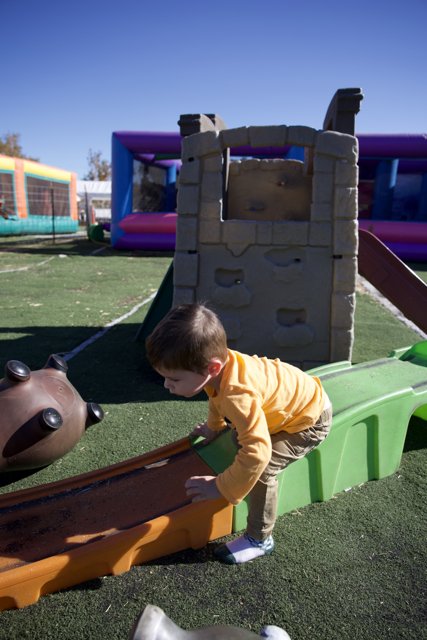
143	199
36	198
392	185
393	192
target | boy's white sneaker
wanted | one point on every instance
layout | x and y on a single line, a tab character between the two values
244	549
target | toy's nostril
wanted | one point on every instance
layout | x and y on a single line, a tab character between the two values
17	371
51	419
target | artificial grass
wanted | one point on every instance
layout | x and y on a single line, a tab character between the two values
353	567
377	332
55	296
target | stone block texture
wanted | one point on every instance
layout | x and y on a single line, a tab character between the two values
280	270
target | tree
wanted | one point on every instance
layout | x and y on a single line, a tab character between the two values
10	146
99	169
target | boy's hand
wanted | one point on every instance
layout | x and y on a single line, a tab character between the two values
202	488
203	430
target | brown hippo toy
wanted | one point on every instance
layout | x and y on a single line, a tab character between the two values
42	416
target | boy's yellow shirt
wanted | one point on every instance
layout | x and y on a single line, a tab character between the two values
259	397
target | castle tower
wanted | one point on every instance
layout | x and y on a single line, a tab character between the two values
271	243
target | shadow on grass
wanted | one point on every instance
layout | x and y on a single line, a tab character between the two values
48	245
33	344
11	477
76	247
185	557
111	370
188	556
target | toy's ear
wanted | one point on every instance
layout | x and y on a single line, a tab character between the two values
214	367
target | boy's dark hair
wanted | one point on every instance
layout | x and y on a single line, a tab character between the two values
187	338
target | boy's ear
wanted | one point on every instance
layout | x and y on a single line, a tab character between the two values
214	367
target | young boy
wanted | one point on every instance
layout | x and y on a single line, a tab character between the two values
278	412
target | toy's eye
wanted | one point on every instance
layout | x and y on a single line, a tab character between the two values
17	371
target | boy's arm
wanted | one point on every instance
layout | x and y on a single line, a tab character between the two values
215	421
254	451
213	425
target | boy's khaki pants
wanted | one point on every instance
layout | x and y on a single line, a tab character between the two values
287	447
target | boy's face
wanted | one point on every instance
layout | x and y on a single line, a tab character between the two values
184	383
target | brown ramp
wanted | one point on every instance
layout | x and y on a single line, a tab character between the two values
57	535
397	282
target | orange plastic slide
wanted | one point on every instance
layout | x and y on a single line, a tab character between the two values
397	282
103	522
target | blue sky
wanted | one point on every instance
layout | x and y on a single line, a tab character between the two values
74	72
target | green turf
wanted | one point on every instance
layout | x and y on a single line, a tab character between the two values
353	567
377	331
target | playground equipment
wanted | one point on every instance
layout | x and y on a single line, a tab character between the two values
42	416
143	180
265	239
154	624
393	191
378	264
288	223
36	198
393	278
136	511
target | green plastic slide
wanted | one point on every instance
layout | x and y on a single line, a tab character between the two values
373	403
